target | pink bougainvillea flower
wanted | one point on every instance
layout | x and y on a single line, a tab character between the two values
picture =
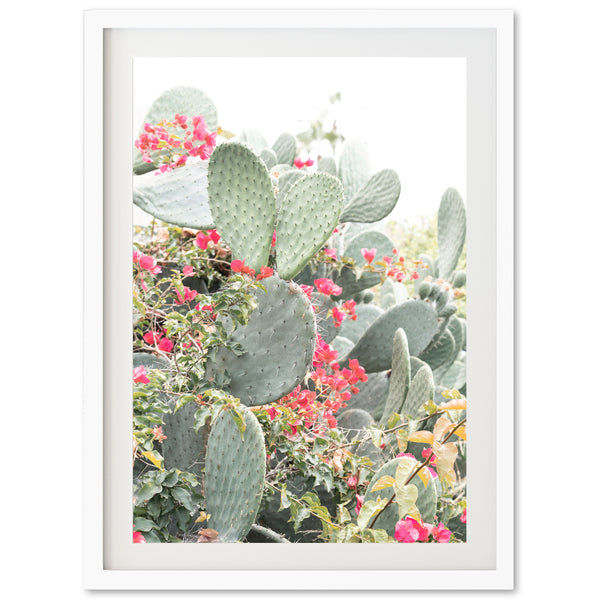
414	275
405	533
136	256
188	294
238	266
151	337
338	316
159	436
359	503
272	412
387	260
148	263
369	254
463	517
202	240
274	240
307	289
441	534
298	162
331	252
188	271
139	375
264	273
138	538
402	454
327	287
352	482
165	345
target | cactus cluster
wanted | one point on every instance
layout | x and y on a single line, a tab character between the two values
272	214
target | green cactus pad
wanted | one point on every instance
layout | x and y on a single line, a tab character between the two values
456	376
452	231
327	165
374	349
375	200
426	500
285	147
235	474
415	365
400	377
285	181
370	392
365	315
308	214
342	345
391	293
459	279
441	353
279	342
354	168
179	197
242	202
347	279
421	391
269	157
455	327
254	139
354	419
186	101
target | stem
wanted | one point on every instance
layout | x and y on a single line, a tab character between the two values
419	468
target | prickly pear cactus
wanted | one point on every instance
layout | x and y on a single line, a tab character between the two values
179	197
375	200
354	168
452	231
242	202
309	213
235	474
374	349
285	148
400	378
279	342
421	390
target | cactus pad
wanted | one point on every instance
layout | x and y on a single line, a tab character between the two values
327	165
374	349
309	213
370	392
235	473
242	202
400	378
279	342
365	315
441	353
375	200
367	239
452	231
421	391
285	148
354	168
179	197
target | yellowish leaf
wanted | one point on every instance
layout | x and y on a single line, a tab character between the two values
402	440
337	461
406	498
422	437
442	425
202	517
424	476
458	404
384	482
446	455
154	458
461	432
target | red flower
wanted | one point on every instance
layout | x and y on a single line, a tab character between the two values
165	345
441	534
139	375
369	254
138	538
264	273
327	287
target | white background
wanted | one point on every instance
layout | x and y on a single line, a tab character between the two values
557	162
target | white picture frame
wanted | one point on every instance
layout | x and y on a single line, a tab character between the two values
111	39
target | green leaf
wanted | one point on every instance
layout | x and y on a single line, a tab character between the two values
147	491
183	497
368	511
238	417
285	501
142	524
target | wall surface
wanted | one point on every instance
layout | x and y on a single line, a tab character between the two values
557	99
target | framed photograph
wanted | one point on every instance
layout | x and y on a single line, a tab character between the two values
298	225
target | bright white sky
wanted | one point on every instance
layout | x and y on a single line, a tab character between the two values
410	112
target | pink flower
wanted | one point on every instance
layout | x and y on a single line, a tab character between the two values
352	482
327	287
151	338
274	240
307	289
405	533
136	256
188	295
414	275
273	412
139	375
238	266
165	345
331	252
159	436
338	316
188	271
441	534
138	538
387	260
148	263
463	517
369	254
298	162
359	503
264	273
